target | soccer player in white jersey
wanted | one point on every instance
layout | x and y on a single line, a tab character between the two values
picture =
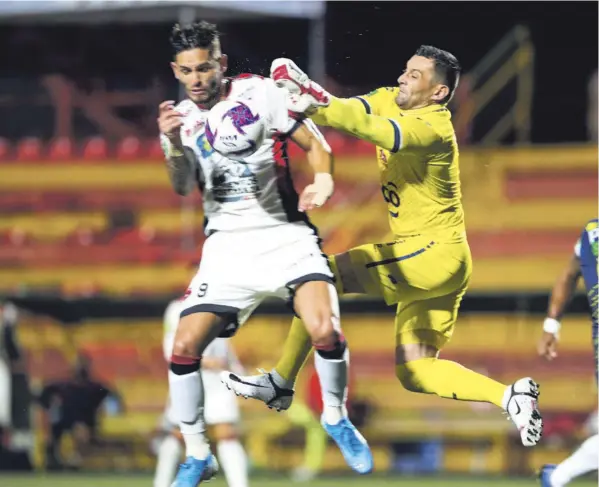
221	410
259	243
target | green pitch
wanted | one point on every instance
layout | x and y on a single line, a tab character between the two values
396	481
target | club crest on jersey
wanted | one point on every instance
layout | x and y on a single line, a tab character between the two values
241	116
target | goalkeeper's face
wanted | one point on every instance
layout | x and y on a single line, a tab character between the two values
419	85
200	74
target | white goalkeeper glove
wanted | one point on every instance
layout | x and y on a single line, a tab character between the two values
304	94
316	194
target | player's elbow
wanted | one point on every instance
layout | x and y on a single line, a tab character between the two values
182	188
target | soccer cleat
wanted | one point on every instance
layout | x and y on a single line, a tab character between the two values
545	475
523	410
261	387
353	445
194	471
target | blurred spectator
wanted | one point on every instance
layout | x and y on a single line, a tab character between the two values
72	406
15	398
592	108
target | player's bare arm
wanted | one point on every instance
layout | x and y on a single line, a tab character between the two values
562	293
320	158
179	164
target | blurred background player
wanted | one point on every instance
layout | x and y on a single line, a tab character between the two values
221	411
427	268
255	222
582	264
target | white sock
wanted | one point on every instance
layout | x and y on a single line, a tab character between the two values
187	398
169	456
333	374
233	459
583	460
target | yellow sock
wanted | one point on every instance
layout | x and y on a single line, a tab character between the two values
296	350
450	380
298	344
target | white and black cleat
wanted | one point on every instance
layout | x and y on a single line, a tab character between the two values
523	409
261	387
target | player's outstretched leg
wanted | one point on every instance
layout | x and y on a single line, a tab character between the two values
275	388
430	375
194	334
583	460
317	304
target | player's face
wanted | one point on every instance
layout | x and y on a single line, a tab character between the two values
200	74
418	85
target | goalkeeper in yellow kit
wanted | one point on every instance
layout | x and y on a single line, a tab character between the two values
426	268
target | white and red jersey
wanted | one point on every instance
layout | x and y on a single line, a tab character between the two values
257	193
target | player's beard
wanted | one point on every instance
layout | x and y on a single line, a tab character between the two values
211	95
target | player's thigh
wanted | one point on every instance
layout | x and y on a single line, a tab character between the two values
217	295
411	269
429	322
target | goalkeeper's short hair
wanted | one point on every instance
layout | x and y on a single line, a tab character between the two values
447	67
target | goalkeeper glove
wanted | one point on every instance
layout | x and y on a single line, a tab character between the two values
304	94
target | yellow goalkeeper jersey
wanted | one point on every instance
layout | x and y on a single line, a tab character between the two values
417	156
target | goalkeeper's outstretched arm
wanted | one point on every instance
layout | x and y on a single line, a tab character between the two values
349	115
405	133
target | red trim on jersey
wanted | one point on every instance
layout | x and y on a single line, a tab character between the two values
279	152
287	193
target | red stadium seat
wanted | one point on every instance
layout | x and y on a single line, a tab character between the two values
29	149
337	141
4	149
129	148
155	149
60	149
95	148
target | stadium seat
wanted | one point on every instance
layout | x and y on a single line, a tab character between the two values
60	149
95	148
129	148
29	149
336	140
154	149
4	149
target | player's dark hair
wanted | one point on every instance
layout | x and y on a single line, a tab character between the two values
199	35
447	67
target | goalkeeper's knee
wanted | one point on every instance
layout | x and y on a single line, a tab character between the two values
412	374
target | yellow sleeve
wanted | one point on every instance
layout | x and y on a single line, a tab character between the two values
375	100
403	133
350	116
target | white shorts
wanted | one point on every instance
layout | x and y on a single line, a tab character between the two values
240	269
220	404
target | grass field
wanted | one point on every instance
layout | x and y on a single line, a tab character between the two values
145	481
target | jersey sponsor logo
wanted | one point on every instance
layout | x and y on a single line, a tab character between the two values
234	181
205	148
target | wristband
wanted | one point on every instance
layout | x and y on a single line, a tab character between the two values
551	325
168	148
